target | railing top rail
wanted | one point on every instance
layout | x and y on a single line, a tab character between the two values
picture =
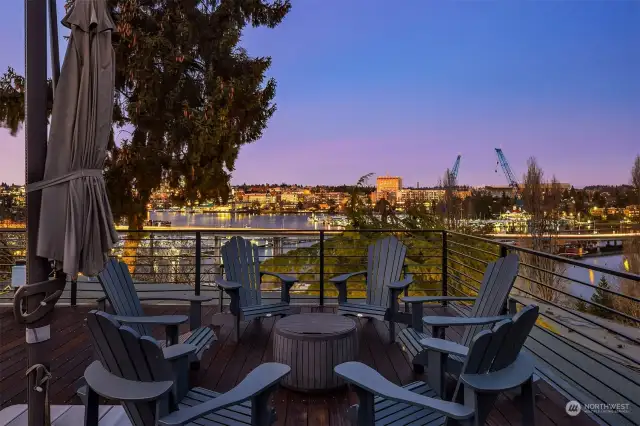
305	232
620	274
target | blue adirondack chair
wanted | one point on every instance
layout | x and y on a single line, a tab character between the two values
121	294
488	309
494	364
385	265
243	280
146	380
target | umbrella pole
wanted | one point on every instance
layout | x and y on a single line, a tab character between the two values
55	49
36	149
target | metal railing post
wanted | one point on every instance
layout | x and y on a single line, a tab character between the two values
445	271
74	292
321	268
503	251
198	261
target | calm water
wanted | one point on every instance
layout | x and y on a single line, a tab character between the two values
300	221
240	220
614	262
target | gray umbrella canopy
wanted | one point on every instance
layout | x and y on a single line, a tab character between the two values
76	225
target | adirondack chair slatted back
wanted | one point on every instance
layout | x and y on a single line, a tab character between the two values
495	349
242	265
119	288
126	354
384	266
494	290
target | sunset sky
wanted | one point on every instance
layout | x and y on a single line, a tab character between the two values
403	87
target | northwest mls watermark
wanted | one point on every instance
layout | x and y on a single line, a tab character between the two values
573	408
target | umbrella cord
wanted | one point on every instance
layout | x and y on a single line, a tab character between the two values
42	381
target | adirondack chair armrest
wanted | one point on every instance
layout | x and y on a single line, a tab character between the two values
438	321
261	380
344	277
113	387
404	283
341	284
182	297
444	346
153	320
177	351
369	380
227	285
435	299
286	279
510	377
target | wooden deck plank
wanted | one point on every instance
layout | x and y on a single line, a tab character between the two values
66	415
228	363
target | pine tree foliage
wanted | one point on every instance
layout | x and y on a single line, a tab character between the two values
188	97
602	297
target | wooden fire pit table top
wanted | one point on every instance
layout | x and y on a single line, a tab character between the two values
315	326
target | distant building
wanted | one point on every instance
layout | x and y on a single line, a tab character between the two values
388	188
388	184
290	197
499	191
510	191
423	195
632	211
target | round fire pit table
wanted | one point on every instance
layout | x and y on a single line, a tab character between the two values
312	344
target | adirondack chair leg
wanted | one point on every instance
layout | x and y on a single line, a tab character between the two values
436	370
220	299
366	411
342	291
91	408
261	414
420	361
195	315
406	305
81	390
394	309
392	331
416	316
180	367
172	335
102	304
481	402
438	332
284	292
237	326
528	403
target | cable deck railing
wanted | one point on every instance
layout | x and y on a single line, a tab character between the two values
586	346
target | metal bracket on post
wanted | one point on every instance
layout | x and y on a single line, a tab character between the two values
51	291
42	380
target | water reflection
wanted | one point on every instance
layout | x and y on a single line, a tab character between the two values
240	220
615	262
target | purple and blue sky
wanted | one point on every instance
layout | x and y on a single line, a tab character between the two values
403	87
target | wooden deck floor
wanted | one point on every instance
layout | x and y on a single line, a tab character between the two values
230	361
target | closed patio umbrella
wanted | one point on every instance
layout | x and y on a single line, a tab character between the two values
76	225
